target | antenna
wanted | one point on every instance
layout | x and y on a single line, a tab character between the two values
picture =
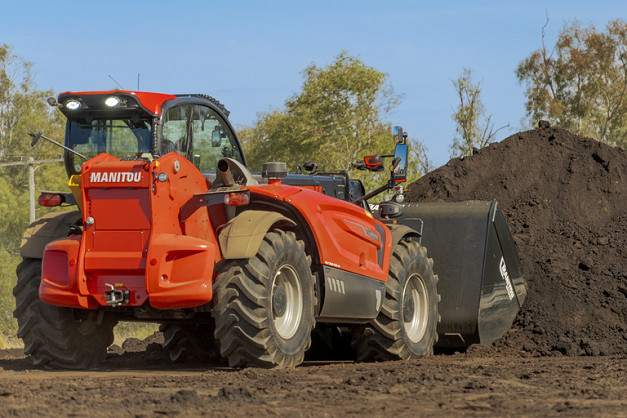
137	81
115	82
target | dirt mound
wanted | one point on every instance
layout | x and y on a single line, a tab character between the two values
565	199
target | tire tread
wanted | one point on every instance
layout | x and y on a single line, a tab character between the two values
51	336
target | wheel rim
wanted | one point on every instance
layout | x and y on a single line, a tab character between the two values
415	308
287	301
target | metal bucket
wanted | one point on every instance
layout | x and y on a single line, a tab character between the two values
480	278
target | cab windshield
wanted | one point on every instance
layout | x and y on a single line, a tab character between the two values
118	137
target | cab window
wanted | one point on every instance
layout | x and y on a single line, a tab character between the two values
118	137
176	134
212	139
200	134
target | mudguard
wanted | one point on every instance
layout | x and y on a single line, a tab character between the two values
480	277
400	232
242	236
48	228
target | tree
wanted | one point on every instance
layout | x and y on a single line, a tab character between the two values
580	84
20	101
22	108
334	120
472	131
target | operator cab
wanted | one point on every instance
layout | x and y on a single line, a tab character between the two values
197	129
136	125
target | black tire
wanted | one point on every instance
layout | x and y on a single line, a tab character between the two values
406	325
190	342
51	334
264	306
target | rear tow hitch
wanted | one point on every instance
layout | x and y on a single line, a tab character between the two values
117	297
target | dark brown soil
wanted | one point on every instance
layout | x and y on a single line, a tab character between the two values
565	199
472	384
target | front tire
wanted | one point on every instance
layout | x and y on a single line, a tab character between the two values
52	336
406	325
264	306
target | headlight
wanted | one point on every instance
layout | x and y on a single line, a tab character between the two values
72	104
112	101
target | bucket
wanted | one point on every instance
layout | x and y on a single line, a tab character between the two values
480	279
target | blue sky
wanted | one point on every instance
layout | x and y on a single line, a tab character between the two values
250	54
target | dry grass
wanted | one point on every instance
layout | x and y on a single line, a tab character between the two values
125	330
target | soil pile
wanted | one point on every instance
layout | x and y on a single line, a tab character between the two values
565	199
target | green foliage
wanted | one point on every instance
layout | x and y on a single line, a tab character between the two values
8	262
472	131
334	120
580	83
22	109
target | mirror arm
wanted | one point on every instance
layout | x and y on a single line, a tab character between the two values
40	134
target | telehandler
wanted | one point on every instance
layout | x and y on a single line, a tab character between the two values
171	227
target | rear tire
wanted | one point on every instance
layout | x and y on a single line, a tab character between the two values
264	306
190	342
406	325
51	334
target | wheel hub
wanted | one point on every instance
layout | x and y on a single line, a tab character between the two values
279	301
287	301
408	307
415	308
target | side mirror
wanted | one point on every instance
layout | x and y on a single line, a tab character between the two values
36	136
399	165
216	138
373	163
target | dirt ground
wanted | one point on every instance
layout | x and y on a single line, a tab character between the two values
565	199
469	384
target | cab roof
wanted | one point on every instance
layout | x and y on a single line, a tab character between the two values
151	102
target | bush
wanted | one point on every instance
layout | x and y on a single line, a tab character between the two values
8	324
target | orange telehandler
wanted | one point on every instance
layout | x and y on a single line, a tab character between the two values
173	228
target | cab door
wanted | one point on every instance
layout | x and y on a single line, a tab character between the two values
199	133
212	139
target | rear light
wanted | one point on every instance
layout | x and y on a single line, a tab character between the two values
55	267
49	199
236	199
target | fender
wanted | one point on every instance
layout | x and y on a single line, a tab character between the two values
241	237
401	231
48	228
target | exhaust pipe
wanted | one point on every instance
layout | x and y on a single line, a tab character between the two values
225	173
